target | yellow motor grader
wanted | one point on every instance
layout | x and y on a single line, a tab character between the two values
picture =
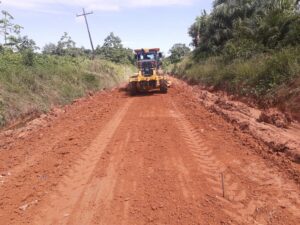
150	76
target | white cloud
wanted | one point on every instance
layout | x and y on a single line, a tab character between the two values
100	5
149	3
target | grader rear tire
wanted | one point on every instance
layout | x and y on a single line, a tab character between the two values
164	86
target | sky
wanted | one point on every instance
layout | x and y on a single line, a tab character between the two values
139	23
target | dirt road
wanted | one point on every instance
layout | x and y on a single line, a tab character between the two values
111	159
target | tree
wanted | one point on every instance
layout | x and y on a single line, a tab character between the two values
12	35
198	29
49	49
22	43
279	23
112	41
114	51
7	27
178	51
270	23
65	45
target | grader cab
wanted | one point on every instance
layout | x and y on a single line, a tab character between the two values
149	76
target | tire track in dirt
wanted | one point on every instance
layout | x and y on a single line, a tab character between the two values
100	190
243	207
47	151
78	181
154	184
156	160
210	166
30	161
120	166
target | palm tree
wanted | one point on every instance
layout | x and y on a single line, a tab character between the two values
270	22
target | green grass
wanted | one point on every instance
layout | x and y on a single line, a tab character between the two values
259	77
51	80
256	77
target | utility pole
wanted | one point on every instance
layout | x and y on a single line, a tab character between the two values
5	27
84	14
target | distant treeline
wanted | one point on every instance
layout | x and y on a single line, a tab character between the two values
13	41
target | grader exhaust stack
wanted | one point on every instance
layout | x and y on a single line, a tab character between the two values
149	76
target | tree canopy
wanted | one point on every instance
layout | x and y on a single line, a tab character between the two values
113	50
11	33
178	51
254	24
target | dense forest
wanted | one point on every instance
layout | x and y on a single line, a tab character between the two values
248	48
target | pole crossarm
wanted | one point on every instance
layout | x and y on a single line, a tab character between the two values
89	13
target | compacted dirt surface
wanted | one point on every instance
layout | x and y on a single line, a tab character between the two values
112	159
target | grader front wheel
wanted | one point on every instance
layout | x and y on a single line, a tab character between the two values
132	88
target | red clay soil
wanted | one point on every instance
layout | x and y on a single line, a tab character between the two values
112	159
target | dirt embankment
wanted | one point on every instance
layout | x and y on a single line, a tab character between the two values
288	99
28	91
272	127
149	159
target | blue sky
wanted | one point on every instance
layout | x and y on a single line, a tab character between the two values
139	23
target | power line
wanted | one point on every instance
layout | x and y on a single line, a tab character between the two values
84	14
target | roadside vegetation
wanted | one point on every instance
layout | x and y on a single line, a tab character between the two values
248	48
32	80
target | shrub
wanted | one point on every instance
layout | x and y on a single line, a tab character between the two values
256	76
34	81
28	57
